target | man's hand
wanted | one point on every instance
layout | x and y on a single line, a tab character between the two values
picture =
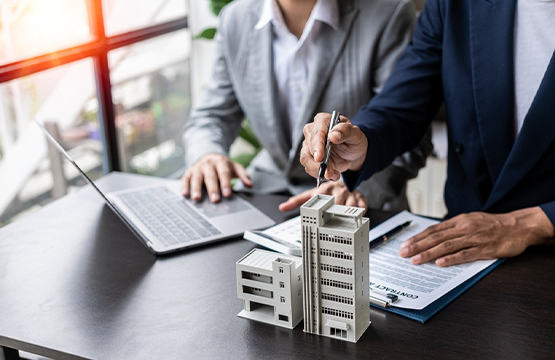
348	152
337	189
216	171
479	236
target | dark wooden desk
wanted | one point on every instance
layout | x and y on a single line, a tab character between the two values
75	283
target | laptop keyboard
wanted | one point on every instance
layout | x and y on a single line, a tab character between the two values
167	216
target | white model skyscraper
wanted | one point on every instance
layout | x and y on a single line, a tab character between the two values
335	268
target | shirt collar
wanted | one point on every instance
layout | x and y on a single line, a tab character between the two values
326	11
266	16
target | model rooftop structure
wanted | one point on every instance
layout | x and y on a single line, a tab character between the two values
335	268
271	286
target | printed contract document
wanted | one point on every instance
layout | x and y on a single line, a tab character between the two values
417	286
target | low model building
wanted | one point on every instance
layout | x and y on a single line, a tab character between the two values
271	286
335	268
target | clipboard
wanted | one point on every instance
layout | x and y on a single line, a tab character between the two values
422	316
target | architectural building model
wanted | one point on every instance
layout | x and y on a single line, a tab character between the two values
271	286
335	269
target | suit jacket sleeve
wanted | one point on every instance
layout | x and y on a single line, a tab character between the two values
386	189
549	210
397	118
215	123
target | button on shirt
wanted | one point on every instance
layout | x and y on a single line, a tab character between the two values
293	57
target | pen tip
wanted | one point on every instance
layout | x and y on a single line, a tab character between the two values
317	183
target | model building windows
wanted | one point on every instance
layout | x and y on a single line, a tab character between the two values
275	297
337	284
329	298
336	239
337	298
258	292
338	313
336	269
336	254
338	332
256	277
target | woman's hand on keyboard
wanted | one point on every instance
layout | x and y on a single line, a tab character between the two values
216	172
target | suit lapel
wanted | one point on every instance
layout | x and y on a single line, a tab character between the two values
535	137
261	73
492	42
328	48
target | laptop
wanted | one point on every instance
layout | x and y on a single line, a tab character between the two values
164	221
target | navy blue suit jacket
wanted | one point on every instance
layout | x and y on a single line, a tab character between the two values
462	54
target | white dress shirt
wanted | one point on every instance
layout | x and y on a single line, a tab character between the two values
293	57
534	47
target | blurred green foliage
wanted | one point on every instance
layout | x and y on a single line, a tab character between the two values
215	6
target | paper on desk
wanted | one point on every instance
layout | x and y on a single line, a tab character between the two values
289	230
417	286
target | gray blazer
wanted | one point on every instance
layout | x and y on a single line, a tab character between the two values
350	67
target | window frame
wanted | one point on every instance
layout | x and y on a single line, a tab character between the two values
97	49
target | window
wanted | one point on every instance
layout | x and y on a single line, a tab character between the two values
106	75
256	277
337	298
150	91
336	239
283	317
337	284
258	292
37	27
152	13
336	254
336	269
338	313
338	332
281	285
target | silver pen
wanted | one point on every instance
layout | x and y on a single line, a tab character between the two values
335	118
391	298
380	302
